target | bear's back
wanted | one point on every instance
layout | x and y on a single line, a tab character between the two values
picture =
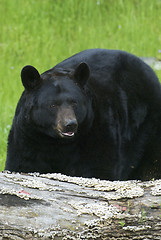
110	69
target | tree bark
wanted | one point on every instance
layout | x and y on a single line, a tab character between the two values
55	206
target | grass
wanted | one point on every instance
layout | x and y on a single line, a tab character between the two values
44	32
122	223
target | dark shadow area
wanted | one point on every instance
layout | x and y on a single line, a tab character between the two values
14	201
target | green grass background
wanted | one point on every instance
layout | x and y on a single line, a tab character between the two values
44	32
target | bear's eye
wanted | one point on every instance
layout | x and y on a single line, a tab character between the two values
52	106
73	103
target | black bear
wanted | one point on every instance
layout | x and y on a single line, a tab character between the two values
96	114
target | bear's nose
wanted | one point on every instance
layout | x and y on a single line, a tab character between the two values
71	125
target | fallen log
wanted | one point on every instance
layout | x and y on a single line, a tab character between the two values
55	206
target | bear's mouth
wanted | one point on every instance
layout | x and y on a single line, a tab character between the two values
66	134
67	130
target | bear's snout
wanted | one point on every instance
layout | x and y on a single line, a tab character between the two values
66	122
71	125
70	128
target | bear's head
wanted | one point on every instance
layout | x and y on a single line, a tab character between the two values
56	103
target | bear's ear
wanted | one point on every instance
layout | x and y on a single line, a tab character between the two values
30	77
82	74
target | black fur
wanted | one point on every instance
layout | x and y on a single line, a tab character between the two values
96	114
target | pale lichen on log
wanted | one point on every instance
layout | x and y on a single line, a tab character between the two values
55	206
